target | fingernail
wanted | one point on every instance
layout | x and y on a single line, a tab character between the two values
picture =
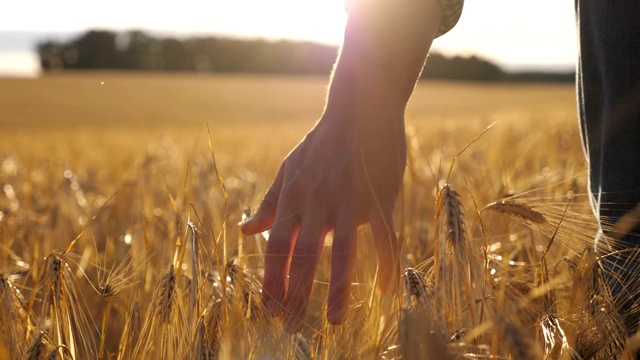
246	226
336	315
337	306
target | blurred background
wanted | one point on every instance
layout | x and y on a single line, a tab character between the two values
494	38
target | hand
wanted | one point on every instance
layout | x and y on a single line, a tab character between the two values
346	172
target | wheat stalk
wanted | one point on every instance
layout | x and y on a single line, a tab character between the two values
65	309
110	284
55	354
212	324
166	296
195	269
455	228
165	326
555	339
455	267
591	306
130	332
517	210
15	319
414	283
203	350
38	348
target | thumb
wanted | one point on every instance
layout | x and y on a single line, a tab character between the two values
263	218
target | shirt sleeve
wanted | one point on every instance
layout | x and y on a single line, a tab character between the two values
451	11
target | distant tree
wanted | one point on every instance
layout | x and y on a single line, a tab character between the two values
138	51
135	50
315	58
461	68
175	55
50	54
96	50
536	76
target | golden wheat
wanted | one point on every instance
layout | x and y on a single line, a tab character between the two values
173	278
518	210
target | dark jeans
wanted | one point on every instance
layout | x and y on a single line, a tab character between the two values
608	87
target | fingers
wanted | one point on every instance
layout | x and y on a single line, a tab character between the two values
343	259
266	213
302	272
276	259
386	244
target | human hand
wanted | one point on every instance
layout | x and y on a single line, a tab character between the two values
346	172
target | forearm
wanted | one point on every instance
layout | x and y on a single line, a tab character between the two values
385	46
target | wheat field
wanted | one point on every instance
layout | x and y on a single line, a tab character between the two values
121	196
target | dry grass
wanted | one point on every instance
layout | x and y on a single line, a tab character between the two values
118	241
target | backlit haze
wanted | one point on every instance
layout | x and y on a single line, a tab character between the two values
517	35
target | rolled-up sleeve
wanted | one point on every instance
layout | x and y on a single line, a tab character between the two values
451	11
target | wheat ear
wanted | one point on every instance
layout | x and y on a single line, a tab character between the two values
518	210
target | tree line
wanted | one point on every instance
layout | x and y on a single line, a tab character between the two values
136	50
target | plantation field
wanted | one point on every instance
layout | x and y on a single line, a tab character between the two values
118	240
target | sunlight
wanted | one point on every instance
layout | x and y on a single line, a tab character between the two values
508	33
317	20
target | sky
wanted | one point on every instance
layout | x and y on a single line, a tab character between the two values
518	35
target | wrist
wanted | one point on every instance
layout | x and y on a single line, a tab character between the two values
384	49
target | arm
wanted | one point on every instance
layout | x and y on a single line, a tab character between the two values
348	169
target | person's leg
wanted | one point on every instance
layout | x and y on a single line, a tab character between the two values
608	85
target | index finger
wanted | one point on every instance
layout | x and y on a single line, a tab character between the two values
266	213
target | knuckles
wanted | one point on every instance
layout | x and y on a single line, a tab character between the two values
277	247
305	253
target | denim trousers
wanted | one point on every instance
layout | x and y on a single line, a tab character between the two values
608	92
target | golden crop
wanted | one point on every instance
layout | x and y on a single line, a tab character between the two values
118	239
